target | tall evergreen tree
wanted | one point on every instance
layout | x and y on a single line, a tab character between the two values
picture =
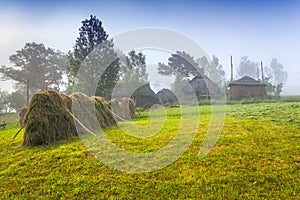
95	53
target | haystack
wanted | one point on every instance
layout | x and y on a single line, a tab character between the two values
50	118
123	109
47	119
93	112
22	114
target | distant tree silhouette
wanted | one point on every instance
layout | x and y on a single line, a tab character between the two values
247	67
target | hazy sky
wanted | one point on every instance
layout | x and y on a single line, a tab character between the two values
258	29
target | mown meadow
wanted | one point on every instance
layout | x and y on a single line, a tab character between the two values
256	157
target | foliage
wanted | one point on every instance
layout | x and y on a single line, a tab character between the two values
213	69
247	67
272	90
134	68
278	89
4	102
276	77
178	86
278	72
16	99
133	72
184	67
255	157
42	66
180	63
95	55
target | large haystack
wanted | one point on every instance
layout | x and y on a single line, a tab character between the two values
47	119
123	109
50	117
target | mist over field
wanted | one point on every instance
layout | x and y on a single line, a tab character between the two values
259	30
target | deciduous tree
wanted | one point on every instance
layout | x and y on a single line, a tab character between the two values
247	68
42	66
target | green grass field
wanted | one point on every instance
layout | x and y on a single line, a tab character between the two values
256	157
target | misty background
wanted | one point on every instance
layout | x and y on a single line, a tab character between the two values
259	30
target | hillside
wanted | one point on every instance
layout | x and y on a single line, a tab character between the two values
256	157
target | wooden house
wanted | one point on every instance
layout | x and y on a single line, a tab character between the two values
246	87
145	96
202	86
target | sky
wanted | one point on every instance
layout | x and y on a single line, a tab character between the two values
261	30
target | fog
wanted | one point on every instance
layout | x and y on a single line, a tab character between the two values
261	31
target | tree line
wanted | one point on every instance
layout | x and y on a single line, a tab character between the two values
45	67
103	67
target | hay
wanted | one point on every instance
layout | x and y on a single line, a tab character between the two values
123	109
47	120
22	114
104	113
52	116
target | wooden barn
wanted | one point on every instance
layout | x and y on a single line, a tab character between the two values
166	96
202	86
246	87
145	96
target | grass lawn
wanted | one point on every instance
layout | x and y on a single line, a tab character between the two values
256	157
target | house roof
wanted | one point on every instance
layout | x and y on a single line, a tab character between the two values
202	82
246	80
167	94
145	90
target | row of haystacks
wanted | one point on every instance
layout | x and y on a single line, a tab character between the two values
52	116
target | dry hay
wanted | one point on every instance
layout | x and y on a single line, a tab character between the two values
85	107
49	118
123	109
22	114
104	113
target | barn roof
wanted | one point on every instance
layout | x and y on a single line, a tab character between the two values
247	80
167	94
202	82
164	91
145	90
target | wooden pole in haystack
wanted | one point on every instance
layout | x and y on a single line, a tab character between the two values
18	132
